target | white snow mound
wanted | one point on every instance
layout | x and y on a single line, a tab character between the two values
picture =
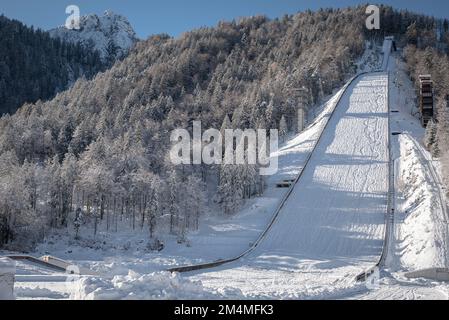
134	286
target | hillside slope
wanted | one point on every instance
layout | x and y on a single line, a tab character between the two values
34	66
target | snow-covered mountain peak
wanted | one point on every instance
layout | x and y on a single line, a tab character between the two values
111	34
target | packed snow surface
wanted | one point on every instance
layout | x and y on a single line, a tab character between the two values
421	227
331	227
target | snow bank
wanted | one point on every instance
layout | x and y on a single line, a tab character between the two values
421	235
134	286
7	272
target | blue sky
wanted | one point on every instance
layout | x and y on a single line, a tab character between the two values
176	16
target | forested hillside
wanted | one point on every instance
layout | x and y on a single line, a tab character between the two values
34	66
99	150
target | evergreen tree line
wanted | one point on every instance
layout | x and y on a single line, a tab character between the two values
34	66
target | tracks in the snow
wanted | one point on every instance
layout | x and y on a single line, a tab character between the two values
389	214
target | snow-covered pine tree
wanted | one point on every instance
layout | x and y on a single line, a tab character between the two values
69	175
77	222
173	200
154	204
430	136
230	190
270	115
283	129
194	201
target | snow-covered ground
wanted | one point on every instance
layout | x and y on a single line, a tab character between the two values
330	229
422	232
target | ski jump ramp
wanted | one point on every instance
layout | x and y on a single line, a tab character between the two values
337	209
332	225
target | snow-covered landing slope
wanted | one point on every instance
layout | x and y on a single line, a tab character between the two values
420	236
332	225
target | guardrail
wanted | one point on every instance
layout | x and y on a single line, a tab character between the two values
282	203
38	261
55	264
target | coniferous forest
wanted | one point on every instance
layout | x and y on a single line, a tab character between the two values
96	154
34	66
